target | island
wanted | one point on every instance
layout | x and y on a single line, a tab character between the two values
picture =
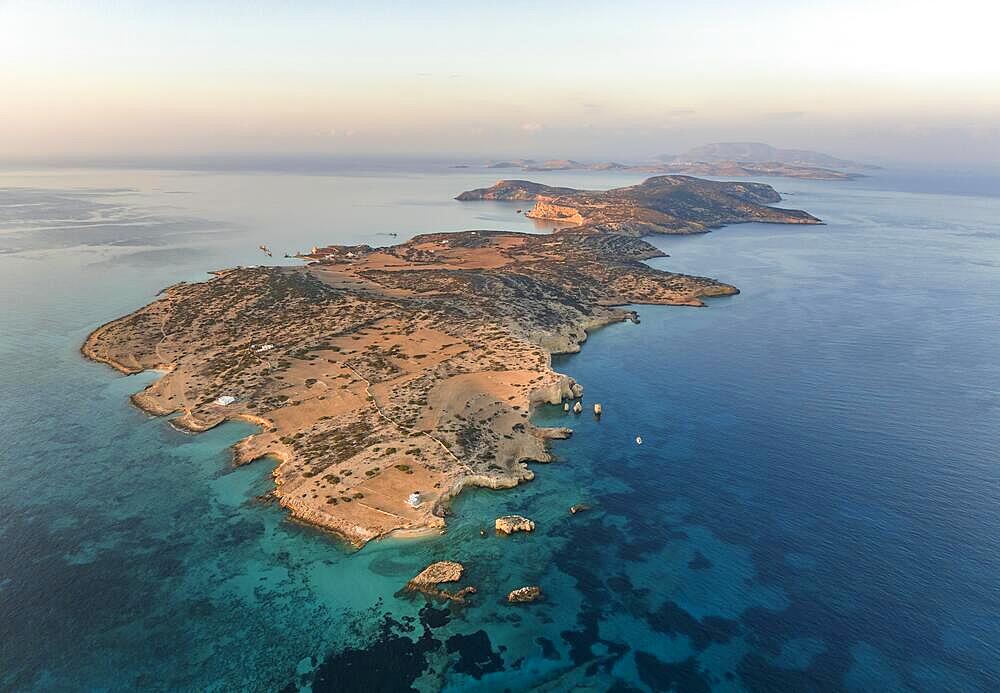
720	159
767	169
385	380
658	205
760	152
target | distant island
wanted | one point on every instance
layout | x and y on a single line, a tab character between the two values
758	152
659	205
386	380
748	168
699	168
722	159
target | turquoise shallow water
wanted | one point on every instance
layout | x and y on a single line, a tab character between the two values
815	504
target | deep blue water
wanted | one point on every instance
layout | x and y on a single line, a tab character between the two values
815	505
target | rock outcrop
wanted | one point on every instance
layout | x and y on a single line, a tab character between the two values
508	524
525	595
579	508
429	580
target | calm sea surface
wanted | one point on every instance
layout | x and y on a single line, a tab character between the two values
815	506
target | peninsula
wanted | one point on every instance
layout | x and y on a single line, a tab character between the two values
658	205
386	380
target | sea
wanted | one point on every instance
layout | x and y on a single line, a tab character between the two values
815	505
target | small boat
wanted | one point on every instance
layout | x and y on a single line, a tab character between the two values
638	440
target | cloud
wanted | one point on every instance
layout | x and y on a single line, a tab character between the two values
532	127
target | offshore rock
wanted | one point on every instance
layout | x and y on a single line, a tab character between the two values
508	524
525	595
428	581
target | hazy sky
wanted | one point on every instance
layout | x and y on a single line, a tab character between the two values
876	79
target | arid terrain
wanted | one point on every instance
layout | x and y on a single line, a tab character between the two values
377	372
661	204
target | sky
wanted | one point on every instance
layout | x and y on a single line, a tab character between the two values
877	80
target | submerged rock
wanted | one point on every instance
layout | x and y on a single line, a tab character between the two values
524	595
508	524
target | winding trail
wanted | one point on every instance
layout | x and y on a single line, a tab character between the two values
163	331
374	401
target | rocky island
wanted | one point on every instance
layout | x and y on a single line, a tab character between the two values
386	380
661	204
